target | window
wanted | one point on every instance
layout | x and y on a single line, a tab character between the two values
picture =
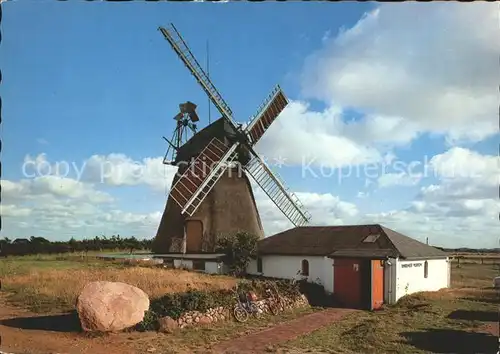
371	238
198	264
426	269
305	267
259	265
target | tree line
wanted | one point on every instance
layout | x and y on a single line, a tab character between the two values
40	245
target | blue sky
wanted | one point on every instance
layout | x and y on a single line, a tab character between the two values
85	83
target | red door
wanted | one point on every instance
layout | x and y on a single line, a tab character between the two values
377	284
347	281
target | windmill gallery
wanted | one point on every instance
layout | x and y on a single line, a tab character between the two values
211	195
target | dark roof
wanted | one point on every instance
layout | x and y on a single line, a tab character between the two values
220	129
364	253
347	241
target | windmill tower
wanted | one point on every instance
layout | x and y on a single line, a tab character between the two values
211	193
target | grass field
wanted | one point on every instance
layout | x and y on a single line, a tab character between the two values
52	283
448	321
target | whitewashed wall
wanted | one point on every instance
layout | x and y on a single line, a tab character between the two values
410	276
212	267
286	267
183	263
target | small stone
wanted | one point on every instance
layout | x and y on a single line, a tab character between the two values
222	318
196	319
167	324
189	320
204	320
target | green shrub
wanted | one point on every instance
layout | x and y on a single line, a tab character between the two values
176	304
239	248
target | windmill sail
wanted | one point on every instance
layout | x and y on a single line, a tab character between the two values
267	114
197	181
202	174
274	187
183	51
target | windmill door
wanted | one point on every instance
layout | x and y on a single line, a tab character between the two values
194	236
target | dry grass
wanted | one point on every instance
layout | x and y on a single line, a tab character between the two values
45	288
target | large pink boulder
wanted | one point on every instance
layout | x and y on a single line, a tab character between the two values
105	306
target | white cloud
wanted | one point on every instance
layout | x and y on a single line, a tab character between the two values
61	207
113	169
325	209
448	211
7	210
319	138
422	67
461	209
399	179
38	187
463	165
121	170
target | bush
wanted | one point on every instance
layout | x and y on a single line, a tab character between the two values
176	304
239	249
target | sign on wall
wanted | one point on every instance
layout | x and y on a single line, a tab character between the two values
411	265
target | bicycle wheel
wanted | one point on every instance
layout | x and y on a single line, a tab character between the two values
273	307
254	310
240	314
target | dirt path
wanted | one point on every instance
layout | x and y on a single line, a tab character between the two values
258	342
22	332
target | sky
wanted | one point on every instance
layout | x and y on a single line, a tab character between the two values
393	113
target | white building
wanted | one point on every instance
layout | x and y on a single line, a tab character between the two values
363	266
203	262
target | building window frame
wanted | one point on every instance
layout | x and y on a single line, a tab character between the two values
259	265
304	267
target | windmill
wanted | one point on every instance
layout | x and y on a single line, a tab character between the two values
209	196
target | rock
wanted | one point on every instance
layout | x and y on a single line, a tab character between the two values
189	320
196	319
204	320
105	306
167	324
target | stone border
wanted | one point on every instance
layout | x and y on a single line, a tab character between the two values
219	314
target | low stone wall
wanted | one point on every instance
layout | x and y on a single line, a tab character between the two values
219	314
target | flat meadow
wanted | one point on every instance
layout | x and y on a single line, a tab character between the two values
462	319
47	283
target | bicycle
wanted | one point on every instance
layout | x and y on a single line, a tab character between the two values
275	301
244	307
